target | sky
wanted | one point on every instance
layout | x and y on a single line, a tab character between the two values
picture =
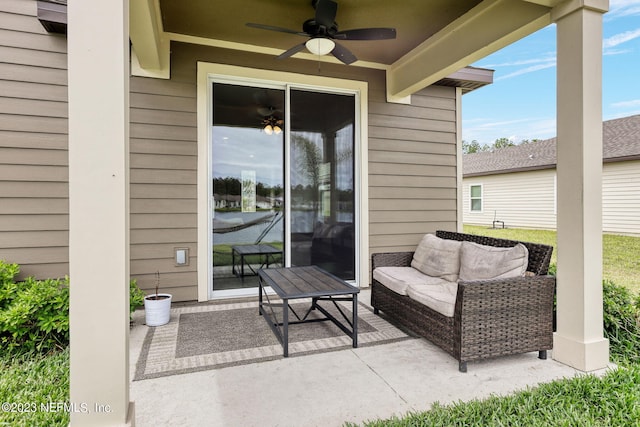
521	102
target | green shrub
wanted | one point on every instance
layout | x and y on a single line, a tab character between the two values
8	272
34	314
621	323
136	296
553	269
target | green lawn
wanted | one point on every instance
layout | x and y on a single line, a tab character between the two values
620	254
36	388
583	401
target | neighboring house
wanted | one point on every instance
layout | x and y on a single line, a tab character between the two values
111	138
517	184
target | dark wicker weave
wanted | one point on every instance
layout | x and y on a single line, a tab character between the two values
491	318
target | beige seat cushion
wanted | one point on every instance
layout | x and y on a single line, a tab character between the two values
399	278
480	262
440	297
438	257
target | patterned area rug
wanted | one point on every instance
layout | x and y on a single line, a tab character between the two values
211	336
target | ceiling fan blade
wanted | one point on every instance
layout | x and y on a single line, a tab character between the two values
279	29
366	34
344	54
292	51
326	12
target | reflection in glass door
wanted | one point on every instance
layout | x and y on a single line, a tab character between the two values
263	217
322	181
248	180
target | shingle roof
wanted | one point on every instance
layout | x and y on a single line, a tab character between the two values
621	141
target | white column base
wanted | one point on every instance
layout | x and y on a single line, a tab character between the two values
585	356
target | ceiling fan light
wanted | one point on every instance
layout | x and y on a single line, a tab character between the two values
268	129
320	45
277	130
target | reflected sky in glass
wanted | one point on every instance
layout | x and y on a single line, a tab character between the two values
236	149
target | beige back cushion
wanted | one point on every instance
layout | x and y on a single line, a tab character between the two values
480	262
438	257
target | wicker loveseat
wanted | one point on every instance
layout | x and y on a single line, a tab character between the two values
491	318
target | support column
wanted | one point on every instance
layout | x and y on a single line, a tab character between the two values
579	340
98	79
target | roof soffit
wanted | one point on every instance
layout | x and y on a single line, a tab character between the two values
435	38
416	21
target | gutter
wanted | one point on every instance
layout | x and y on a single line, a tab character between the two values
505	171
543	167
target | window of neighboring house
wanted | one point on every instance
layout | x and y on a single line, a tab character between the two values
475	197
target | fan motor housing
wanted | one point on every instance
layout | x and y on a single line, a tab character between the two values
312	28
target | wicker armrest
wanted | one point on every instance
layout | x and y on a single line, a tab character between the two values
506	300
391	259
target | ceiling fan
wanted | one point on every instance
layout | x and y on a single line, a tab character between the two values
322	30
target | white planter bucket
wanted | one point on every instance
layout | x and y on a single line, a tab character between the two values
157	312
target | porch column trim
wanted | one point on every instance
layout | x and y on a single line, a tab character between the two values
459	167
98	76
150	52
579	340
570	6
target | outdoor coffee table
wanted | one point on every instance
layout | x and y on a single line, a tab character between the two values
306	282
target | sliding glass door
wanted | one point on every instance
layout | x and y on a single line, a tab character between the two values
247	160
282	182
322	181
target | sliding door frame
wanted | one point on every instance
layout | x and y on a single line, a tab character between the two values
209	73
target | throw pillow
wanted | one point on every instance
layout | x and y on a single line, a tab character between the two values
481	262
438	257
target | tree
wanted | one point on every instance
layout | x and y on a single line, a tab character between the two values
529	141
473	147
502	143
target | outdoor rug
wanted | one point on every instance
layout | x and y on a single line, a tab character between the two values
210	336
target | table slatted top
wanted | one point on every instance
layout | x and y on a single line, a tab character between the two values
305	282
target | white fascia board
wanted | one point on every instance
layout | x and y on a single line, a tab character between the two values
184	38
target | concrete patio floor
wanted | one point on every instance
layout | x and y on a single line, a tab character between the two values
328	389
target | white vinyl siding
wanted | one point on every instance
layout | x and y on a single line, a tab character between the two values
523	199
621	197
528	199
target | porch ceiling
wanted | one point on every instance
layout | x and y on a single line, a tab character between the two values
435	38
416	21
